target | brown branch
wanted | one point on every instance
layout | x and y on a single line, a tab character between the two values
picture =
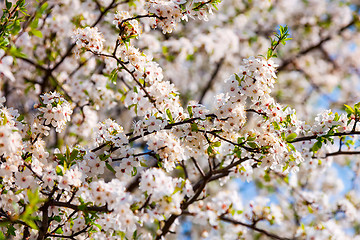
168	223
72	236
290	60
150	153
201	5
341	153
146	203
33	63
189	120
242	145
61	225
79	208
212	79
198	188
308	138
167	127
182	164
45	223
123	65
253	227
198	167
70	48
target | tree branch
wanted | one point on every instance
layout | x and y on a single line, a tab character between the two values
253	227
212	79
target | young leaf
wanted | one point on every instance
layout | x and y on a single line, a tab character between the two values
291	137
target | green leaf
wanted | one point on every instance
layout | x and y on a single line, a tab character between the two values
267	177
73	155
316	146
283	135
252	144
310	209
189	108
286	179
238	153
82	207
356	108
59	171
168	113
134	171
276	125
20	118
11	230
349	109
216	144
194	127
291	146
210	151
108	166
8	4
36	33
103	157
237	78
240	140
113	76
57	218
251	138
67	153
291	137
43	7
4	121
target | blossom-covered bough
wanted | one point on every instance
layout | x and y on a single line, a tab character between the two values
114	123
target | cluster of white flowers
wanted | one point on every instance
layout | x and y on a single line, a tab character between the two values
223	203
257	78
154	124
128	28
325	120
169	148
110	131
9	202
198	110
168	14
72	177
155	182
127	167
10	139
92	166
55	110
89	38
234	113
112	195
133	55
165	92
259	209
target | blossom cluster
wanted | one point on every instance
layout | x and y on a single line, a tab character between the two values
168	14
55	110
89	38
128	28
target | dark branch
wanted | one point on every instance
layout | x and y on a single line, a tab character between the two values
212	79
253	227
